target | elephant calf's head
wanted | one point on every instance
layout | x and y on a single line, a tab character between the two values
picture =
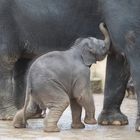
94	49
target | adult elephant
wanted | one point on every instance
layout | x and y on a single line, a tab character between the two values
122	18
29	28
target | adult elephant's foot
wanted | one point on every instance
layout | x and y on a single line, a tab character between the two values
8	113
112	118
138	124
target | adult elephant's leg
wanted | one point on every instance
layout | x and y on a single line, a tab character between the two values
20	70
76	110
135	70
133	55
9	54
117	75
7	87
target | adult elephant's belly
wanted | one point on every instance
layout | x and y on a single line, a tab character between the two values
50	25
122	24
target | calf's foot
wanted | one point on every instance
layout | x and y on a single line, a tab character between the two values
18	120
19	125
90	121
51	129
112	118
77	125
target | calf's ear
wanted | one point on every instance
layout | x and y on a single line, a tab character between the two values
88	56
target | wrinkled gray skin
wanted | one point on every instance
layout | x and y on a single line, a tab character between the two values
60	78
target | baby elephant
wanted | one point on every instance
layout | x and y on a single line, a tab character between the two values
60	78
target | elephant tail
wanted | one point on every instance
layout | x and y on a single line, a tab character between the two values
28	93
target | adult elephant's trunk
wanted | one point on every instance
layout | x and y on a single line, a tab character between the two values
106	34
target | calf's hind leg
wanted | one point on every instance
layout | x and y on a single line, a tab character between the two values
32	110
57	105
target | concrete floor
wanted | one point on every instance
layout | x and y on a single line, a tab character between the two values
90	132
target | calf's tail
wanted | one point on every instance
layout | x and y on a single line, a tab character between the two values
27	98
